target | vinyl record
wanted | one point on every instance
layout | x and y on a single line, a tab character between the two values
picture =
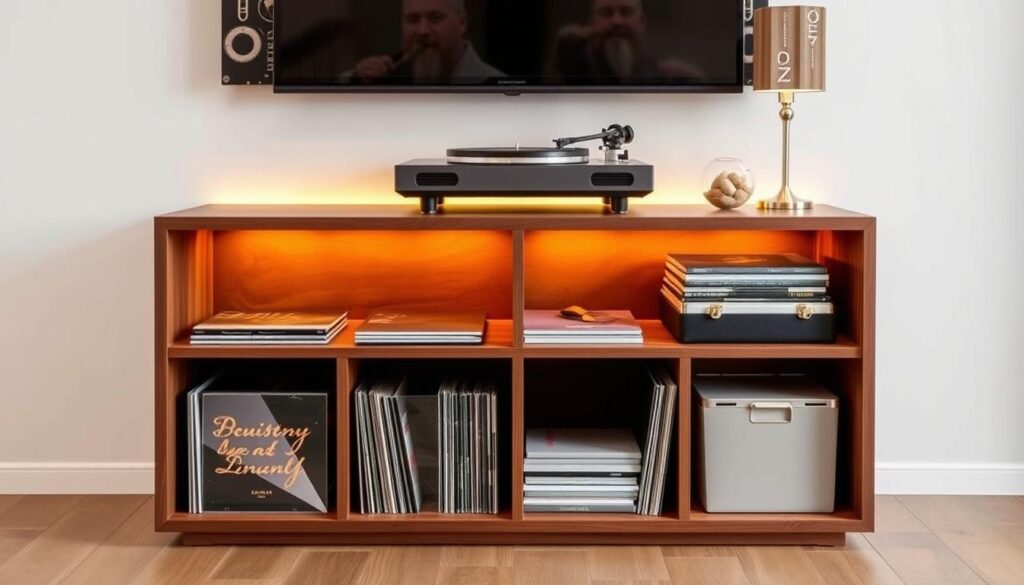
518	156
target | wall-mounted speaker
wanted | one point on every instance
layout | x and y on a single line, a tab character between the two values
247	55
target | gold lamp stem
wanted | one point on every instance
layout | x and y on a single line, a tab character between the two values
785	200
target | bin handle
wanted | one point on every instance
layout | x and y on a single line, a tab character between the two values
755	406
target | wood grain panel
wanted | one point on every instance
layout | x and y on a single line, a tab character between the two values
507	217
125	553
358	271
551	567
626	563
922	559
474	576
37	512
12	540
624	270
328	568
256	563
516	475
391	565
706	571
986	532
684	436
857	563
52	555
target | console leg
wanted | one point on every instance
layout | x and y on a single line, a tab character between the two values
620	204
429	205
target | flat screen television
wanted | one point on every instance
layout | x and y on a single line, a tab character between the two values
509	46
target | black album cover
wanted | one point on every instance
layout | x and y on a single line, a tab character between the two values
265	452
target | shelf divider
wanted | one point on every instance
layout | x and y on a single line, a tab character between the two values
683	424
518	286
518	436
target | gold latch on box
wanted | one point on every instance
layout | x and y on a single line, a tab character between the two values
714	311
804	312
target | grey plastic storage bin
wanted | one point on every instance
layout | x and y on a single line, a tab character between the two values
766	444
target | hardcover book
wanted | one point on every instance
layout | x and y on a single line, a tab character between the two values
744	264
229	322
264	452
422	326
612	327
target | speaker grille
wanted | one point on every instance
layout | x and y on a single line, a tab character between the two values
437	179
611	179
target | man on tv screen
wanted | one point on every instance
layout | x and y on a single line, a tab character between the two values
434	48
612	47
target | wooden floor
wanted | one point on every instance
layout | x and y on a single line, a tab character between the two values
110	540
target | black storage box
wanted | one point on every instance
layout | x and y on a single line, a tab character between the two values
749	322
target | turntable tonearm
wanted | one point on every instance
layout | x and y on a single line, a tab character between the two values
531	172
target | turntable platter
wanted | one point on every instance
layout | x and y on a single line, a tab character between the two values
518	156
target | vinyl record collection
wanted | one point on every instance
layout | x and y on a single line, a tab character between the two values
257	446
428	449
604	470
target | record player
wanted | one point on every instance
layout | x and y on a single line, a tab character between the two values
517	171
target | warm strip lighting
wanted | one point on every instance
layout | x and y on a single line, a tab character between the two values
358	271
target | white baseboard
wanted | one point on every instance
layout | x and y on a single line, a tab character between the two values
137	478
76	478
950	479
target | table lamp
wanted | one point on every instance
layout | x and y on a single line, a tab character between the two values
789	57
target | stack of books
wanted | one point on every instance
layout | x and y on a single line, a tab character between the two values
746	298
581	470
421	327
427	446
293	328
607	327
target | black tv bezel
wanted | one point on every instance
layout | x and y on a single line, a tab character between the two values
514	90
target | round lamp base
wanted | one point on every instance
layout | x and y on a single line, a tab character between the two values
792	205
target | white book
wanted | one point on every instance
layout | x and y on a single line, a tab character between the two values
593	340
589	468
625	505
581	444
583	491
583	461
558	480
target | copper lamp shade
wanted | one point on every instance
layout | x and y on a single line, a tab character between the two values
789	57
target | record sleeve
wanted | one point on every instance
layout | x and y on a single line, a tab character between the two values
265	452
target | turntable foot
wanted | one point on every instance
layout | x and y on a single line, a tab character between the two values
618	204
430	205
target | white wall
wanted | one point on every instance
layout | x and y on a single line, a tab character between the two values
112	112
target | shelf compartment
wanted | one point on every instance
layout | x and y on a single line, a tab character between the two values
841	377
425	375
309	373
598	393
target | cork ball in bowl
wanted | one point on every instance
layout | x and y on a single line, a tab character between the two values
729	183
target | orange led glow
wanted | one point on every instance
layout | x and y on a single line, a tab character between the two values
623	270
362	270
